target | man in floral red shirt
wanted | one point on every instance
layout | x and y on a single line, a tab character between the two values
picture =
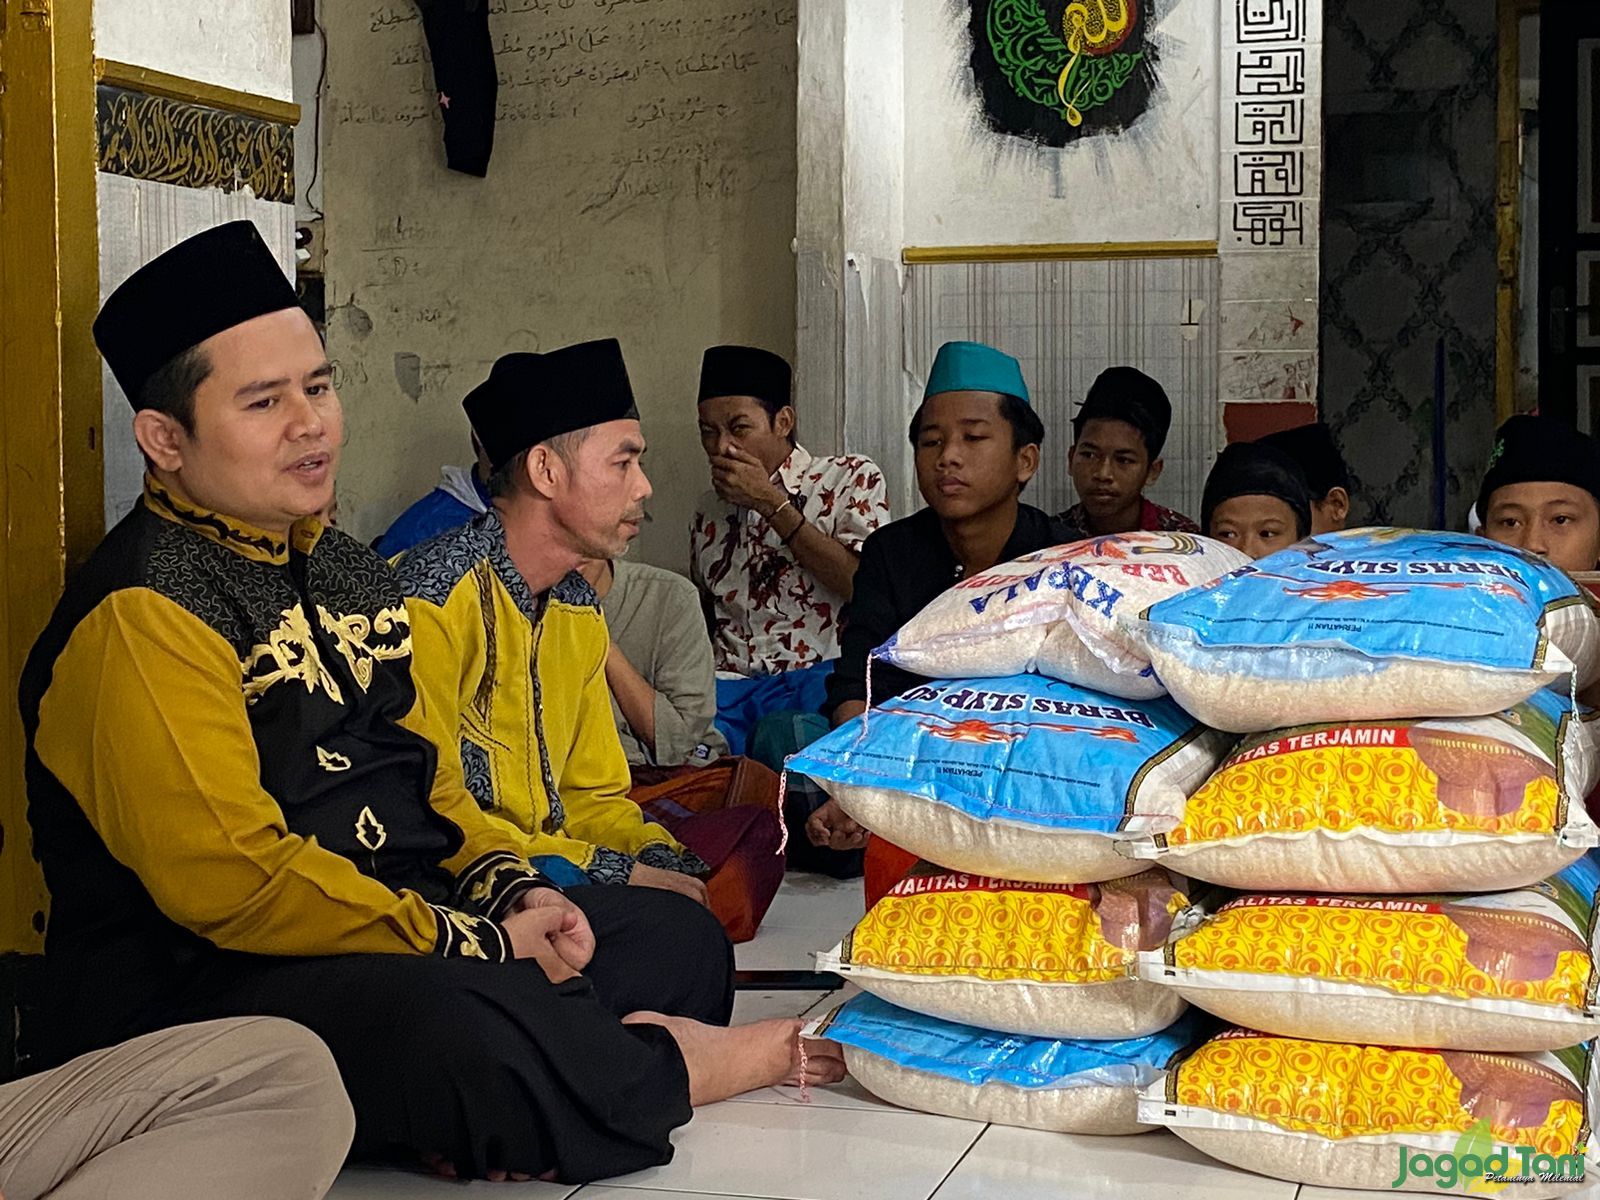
774	544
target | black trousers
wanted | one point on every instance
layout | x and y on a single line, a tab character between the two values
491	1065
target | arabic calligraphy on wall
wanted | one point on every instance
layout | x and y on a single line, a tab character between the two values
192	145
1054	71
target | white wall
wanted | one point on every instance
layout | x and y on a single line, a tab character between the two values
896	153
966	185
309	56
241	44
849	234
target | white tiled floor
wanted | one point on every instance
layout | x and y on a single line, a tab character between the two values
846	1145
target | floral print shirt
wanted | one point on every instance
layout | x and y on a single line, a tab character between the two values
770	613
1153	517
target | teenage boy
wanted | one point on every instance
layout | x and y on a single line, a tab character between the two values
1117	439
1542	492
977	442
1316	453
774	544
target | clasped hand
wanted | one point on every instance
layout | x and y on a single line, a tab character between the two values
552	930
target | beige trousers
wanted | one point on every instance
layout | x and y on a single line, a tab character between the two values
244	1109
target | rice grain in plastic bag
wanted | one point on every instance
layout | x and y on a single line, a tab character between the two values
1479	803
1042	959
1372	625
1347	1115
1508	971
956	1070
1060	612
1019	777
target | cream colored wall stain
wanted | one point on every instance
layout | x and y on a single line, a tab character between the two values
642	186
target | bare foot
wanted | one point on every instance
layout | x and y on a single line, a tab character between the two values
729	1062
823	1063
438	1164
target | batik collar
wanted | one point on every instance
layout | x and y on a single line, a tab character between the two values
572	588
243	539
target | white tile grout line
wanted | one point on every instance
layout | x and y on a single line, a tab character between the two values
957	1164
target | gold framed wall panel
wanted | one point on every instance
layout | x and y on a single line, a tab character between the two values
177	87
50	458
1058	252
168	140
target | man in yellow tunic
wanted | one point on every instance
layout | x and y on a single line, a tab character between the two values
236	816
511	643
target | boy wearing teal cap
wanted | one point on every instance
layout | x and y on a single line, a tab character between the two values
977	443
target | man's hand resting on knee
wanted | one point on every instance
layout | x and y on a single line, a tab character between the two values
670	881
552	930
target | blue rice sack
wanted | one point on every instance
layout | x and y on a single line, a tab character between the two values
1018	778
1373	625
936	1066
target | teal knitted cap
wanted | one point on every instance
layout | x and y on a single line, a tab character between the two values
974	367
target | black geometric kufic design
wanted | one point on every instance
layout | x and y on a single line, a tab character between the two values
1269	173
1276	72
1270	123
1269	224
1269	20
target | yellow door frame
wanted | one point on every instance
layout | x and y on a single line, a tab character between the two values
51	475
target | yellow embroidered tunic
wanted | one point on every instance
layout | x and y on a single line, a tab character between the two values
216	760
518	682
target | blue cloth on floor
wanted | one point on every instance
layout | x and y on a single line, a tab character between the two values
741	703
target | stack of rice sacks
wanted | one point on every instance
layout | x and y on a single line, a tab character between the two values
1407	953
1000	976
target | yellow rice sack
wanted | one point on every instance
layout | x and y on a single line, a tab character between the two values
1341	1114
1509	971
1044	960
1479	804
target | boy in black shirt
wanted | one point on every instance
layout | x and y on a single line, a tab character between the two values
977	443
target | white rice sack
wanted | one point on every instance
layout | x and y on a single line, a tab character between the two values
1478	803
1041	959
936	1066
1372	625
1060	612
1346	1115
1508	971
1017	778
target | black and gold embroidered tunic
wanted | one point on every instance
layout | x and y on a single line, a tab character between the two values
217	756
236	817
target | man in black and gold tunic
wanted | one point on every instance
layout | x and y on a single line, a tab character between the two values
235	816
